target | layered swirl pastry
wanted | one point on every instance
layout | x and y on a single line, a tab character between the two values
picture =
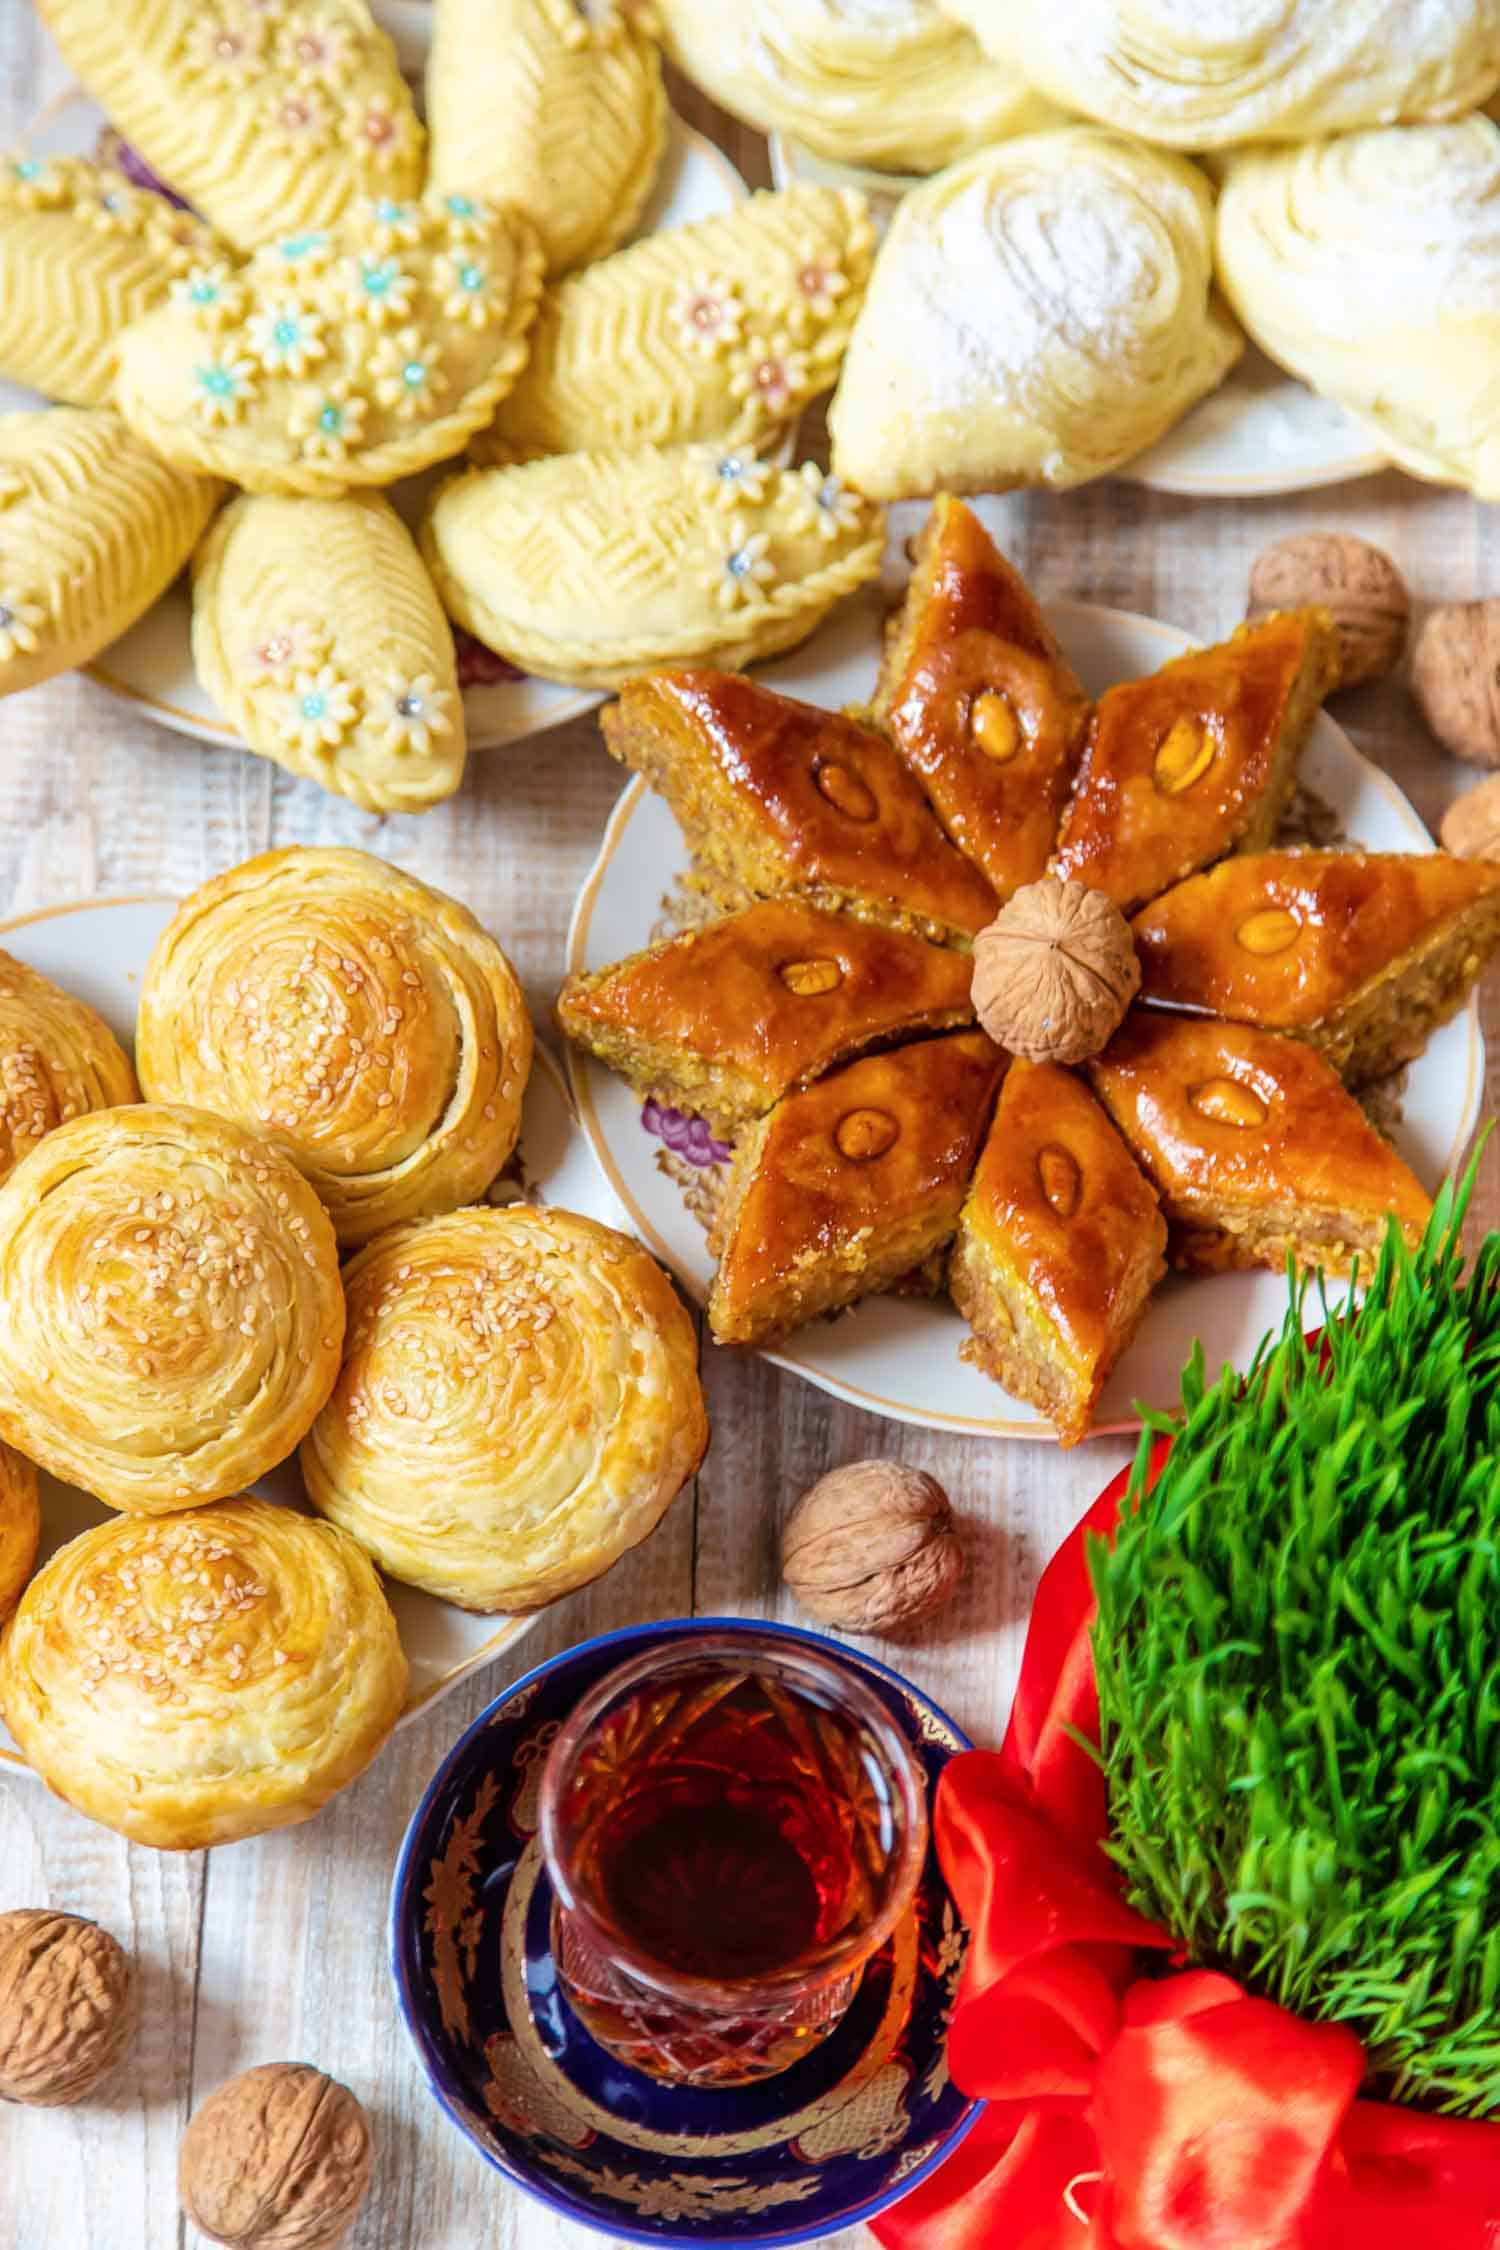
1037	315
204	1678
518	1405
170	1310
58	1060
359	1020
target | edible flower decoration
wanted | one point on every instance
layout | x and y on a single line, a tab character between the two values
409	714
737	478
330	423
21	620
747	566
320	710
770	376
709	313
286	338
824	504
223	387
380	290
818	284
406	373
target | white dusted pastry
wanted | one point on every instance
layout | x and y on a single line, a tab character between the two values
1038	315
1198	74
1370	266
897	85
587	567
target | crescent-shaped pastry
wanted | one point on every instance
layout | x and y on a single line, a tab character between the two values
93	527
20	1526
58	1060
898	86
592	566
267	115
1370	267
83	253
1195	76
204	1678
723	329
351	356
170	1309
346	675
518	1405
584	115
1038	315
363	1022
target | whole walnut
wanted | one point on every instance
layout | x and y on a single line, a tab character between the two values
1358	584
872	1547
277	2159
64	2006
1055	972
1455	676
1471	826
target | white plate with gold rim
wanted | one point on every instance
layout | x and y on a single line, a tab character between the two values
152	666
99	949
1261	432
899	1356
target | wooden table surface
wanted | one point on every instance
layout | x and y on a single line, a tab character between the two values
274	1950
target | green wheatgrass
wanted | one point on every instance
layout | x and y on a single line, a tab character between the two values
1298	1656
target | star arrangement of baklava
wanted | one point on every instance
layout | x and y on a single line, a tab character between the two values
823	1021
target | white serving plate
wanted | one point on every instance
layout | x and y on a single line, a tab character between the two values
1260	432
152	666
99	950
900	1356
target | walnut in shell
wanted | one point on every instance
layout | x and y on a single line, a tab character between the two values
1055	972
277	2159
1356	583
872	1547
1455	676
1471	827
64	2006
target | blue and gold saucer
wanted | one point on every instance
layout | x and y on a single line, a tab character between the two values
832	2141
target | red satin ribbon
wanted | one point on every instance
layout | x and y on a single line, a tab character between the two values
1133	2105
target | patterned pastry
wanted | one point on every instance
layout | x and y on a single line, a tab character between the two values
20	1527
346	357
1038	314
723	329
553	107
897	86
58	1060
317	631
93	527
83	253
981	702
360	1020
725	1019
1196	760
267	115
1058	1249
1198	77
593	566
850	1186
194	1681
170	1310
777	798
1363	954
1370	267
1254	1147
518	1406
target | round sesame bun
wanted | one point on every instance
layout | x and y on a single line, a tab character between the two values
20	1526
193	1679
57	1060
361	1020
171	1316
518	1404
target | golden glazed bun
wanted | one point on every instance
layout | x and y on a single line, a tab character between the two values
193	1680
518	1405
58	1059
362	1021
20	1526
170	1308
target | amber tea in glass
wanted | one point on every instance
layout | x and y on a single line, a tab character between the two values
733	1827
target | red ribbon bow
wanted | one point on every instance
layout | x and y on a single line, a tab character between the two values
1165	2110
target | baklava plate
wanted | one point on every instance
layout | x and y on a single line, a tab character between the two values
979	699
851	1186
1059	1247
1363	954
1257	1151
777	797
725	1019
1197	760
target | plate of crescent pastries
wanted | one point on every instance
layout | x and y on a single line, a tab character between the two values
1229	980
320	1378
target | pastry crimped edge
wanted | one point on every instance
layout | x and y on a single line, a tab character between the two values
237	1775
